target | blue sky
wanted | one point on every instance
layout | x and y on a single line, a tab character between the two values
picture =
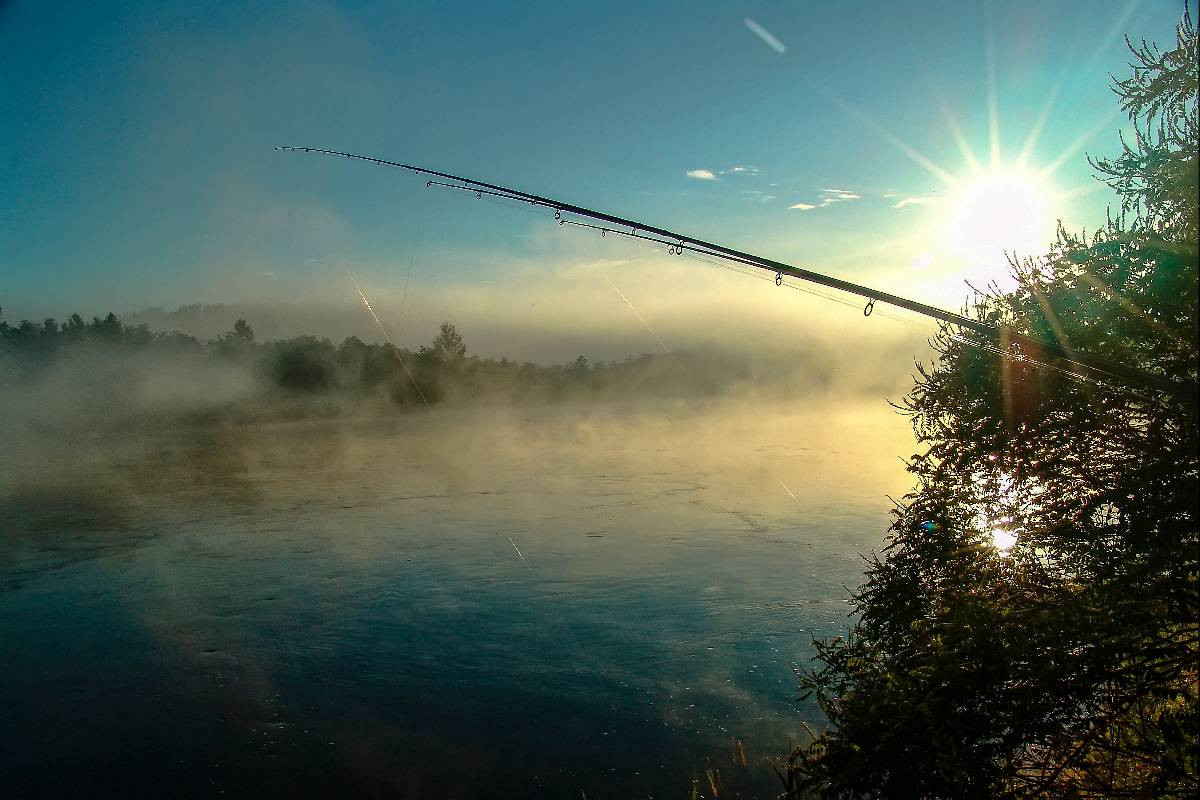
136	160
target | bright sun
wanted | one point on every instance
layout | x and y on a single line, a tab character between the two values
1006	209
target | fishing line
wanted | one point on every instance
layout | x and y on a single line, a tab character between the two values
699	255
645	324
388	339
520	556
496	199
566	626
696	254
912	323
412	260
677	244
789	492
756	274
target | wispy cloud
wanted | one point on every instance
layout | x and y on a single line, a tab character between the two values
919	200
764	34
710	175
831	196
828	198
758	196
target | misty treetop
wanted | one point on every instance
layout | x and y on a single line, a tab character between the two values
312	367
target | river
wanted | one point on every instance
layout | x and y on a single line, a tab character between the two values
470	603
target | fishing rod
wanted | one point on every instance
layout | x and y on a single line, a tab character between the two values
677	244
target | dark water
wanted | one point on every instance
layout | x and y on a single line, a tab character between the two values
328	609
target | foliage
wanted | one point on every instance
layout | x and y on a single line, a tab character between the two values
238	341
30	344
1066	664
449	342
306	368
303	364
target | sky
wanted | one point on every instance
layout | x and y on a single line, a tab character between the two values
900	145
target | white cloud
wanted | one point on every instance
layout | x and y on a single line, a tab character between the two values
764	34
736	169
701	174
916	201
828	198
831	196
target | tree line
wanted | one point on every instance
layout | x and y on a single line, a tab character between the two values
311	366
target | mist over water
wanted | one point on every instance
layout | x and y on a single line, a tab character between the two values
337	606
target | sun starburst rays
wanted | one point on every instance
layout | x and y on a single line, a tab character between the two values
916	156
1000	203
956	131
1076	147
989	47
1043	117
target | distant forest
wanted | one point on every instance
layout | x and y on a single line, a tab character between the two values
312	367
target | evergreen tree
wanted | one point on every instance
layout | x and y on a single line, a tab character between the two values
449	342
236	342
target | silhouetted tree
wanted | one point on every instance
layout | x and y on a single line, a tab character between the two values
236	342
304	363
73	329
243	333
1065	664
107	330
449	342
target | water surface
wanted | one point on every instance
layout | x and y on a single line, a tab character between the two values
473	603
